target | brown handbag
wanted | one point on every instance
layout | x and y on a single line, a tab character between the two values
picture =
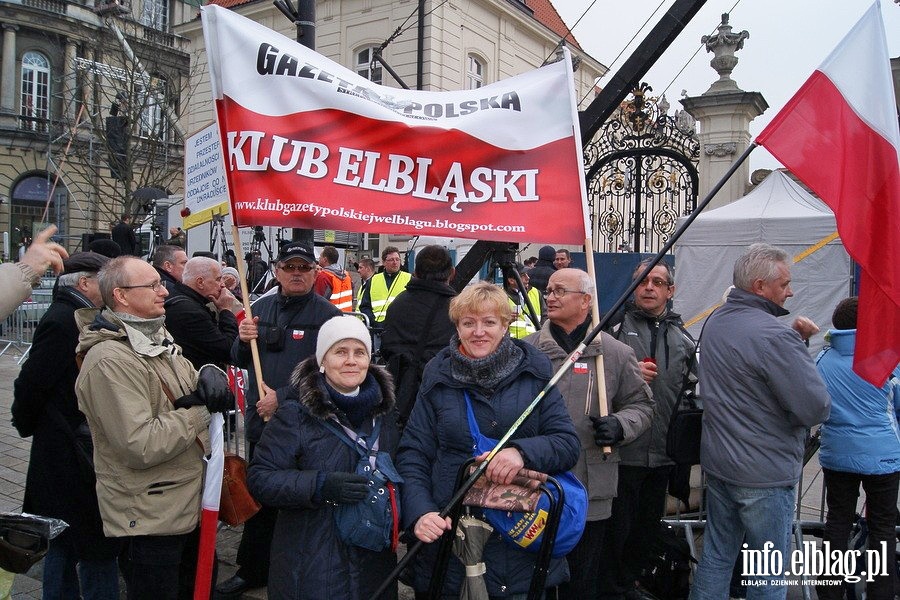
236	505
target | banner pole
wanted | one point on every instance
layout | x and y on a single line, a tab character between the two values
248	312
603	403
575	355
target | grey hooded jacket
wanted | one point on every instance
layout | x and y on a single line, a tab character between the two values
628	398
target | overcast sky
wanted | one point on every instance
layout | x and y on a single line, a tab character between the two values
788	40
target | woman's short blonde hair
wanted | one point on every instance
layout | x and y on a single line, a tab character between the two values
481	298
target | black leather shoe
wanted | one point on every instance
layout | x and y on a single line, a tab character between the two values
233	588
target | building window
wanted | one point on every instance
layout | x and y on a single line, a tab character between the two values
474	72
35	91
155	14
29	201
364	66
153	117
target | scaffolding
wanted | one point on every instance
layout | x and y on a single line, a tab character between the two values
92	173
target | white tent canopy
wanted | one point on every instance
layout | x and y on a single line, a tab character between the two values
778	212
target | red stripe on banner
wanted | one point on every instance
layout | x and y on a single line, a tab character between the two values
822	140
209	523
384	177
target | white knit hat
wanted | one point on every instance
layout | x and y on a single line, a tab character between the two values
341	327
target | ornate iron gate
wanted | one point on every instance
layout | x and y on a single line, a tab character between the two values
641	174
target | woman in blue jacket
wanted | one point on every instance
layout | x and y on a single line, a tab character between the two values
501	377
860	445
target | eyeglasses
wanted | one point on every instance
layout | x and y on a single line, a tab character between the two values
655	282
301	268
560	292
153	286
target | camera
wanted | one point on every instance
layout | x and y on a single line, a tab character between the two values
274	338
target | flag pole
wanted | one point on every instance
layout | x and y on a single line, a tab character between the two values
567	364
248	312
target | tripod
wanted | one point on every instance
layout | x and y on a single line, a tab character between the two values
505	260
259	239
218	243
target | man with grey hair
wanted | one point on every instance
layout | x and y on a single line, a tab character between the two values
199	315
148	410
569	296
761	393
60	479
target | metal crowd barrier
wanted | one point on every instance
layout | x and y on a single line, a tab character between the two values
17	330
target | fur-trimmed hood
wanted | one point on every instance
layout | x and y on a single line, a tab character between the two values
312	394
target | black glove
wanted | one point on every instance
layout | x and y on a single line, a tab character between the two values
607	431
188	401
344	488
213	390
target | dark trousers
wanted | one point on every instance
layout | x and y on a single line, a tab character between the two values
256	542
161	567
584	564
841	495
633	526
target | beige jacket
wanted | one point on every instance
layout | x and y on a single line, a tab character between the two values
15	286
148	456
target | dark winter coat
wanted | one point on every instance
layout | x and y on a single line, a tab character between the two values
409	341
204	334
436	442
308	560
56	484
539	274
298	318
123	234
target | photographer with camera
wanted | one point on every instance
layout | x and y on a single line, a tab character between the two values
286	327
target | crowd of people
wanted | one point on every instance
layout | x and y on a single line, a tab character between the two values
129	362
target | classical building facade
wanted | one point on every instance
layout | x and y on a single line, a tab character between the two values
89	95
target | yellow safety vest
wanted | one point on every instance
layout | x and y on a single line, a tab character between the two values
382	296
521	325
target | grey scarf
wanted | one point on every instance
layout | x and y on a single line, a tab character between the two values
487	372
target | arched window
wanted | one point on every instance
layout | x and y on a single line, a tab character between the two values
35	96
155	14
474	72
28	202
364	67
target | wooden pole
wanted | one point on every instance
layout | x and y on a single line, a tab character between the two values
248	312
595	320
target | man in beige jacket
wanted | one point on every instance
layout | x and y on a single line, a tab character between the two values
148	410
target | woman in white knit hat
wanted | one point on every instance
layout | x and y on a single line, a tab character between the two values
307	465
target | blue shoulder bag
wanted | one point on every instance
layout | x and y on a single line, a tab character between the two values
374	522
519	529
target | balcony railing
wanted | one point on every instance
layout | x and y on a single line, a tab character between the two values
54	6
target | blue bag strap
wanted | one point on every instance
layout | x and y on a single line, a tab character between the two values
470	414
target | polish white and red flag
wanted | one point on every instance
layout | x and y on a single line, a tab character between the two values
209	508
308	143
839	135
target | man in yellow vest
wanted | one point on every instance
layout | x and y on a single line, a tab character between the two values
522	324
336	283
384	287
